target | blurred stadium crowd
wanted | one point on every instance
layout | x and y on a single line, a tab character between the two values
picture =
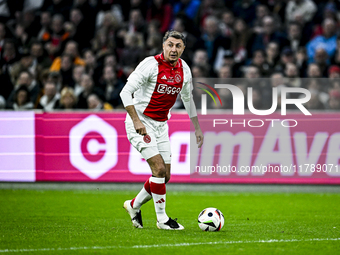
77	54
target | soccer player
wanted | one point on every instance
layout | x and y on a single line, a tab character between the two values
148	96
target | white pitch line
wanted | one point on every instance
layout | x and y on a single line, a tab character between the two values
168	245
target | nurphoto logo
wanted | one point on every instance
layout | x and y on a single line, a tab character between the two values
238	99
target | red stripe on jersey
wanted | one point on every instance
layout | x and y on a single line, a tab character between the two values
169	84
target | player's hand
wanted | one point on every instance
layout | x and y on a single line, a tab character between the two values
199	138
139	127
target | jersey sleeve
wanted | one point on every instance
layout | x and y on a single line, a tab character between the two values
136	79
186	93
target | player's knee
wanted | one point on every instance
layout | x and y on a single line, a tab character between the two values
160	170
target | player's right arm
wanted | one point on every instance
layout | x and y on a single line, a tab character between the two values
136	79
139	126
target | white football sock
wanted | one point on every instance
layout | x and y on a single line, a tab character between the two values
142	197
157	187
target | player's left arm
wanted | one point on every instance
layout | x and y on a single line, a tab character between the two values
198	131
190	107
191	110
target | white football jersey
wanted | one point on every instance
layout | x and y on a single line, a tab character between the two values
155	85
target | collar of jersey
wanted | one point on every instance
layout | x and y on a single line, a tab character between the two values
161	60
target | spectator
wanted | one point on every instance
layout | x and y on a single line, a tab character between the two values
154	44
66	67
228	60
278	9
200	57
133	52
227	24
50	100
87	83
25	78
22	99
259	61
56	78
9	8
321	59
334	72
95	103
300	11
83	33
45	23
225	72
313	71
181	25
287	56
261	12
188	7
153	28
240	39
89	23
334	99
111	60
30	22
134	4
136	22
302	61
272	56
252	72
269	34
57	7
257	100
161	11
199	71
6	85
71	49
68	99
110	24
26	63
39	55
335	60
292	73
77	73
295	36
102	44
319	88
56	37
111	86
91	63
22	38
276	81
209	8
246	10
212	40
314	102
9	56
2	36
326	41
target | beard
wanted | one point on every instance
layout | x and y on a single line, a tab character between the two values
172	61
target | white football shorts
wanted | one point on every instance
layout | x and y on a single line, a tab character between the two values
157	141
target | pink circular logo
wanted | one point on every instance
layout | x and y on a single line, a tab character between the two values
147	139
178	78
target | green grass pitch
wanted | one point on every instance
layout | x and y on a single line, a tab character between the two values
94	222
